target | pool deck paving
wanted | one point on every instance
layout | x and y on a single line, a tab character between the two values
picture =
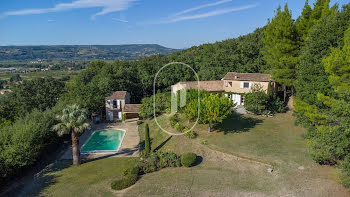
128	148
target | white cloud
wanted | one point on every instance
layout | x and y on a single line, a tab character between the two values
180	17
201	7
108	6
211	13
120	20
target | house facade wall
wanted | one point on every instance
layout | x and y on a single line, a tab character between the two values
238	86
113	110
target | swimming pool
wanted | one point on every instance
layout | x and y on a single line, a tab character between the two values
103	140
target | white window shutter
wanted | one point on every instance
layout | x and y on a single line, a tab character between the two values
118	104
111	103
250	85
242	84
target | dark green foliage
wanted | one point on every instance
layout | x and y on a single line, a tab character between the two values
22	143
281	46
345	168
188	159
312	78
2	83
327	145
304	22
147	105
322	89
158	160
147	140
173	120
124	182
133	170
256	101
139	122
168	160
275	104
345	165
40	93
16	78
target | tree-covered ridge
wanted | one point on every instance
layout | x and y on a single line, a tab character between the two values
81	52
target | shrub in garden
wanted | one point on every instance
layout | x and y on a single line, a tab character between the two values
275	104
133	170
139	122
256	101
124	182
191	134
158	160
173	120
168	160
188	159
147	140
179	126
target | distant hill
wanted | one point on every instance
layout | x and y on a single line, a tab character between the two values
81	52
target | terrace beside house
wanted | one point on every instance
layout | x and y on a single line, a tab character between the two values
233	84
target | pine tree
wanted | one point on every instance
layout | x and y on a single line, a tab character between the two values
337	65
147	140
304	23
282	47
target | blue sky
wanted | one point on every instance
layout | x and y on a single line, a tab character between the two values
171	23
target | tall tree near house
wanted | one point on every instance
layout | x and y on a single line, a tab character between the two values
282	47
310	17
337	65
304	22
214	109
321	9
147	140
329	140
73	120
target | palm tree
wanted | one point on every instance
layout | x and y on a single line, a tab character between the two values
73	120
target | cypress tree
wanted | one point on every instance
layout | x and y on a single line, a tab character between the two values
281	48
147	140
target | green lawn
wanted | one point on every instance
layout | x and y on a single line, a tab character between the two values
275	140
89	179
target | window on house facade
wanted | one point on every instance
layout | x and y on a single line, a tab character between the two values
246	85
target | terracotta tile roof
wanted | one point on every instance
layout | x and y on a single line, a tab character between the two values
117	95
132	108
247	77
210	86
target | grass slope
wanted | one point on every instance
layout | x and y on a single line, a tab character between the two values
274	140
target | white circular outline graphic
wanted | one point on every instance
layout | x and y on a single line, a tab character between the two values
154	98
